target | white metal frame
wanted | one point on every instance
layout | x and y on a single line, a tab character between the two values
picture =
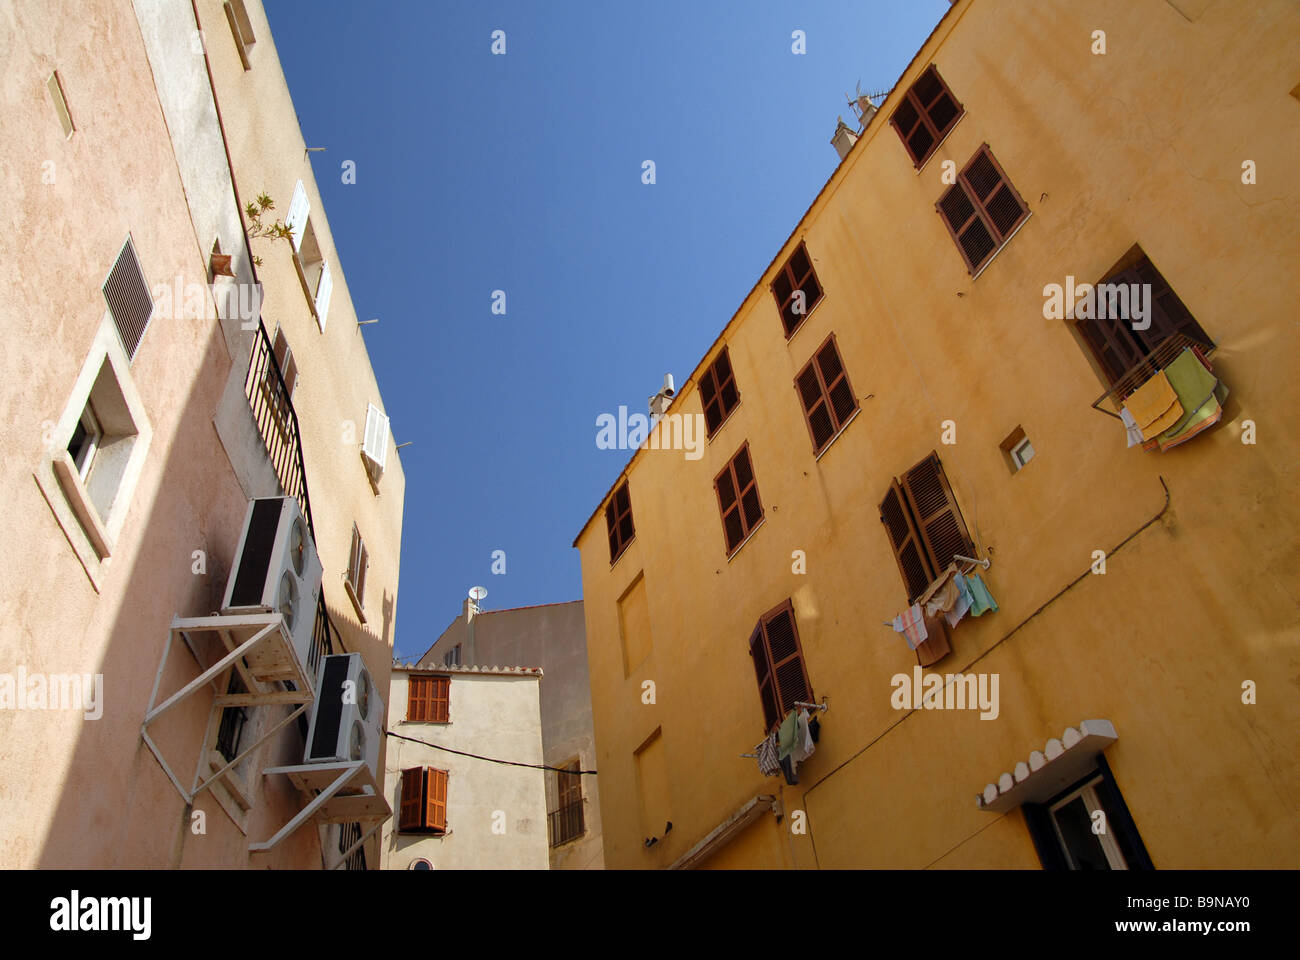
363	803
240	634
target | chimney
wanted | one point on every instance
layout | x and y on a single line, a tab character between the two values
660	401
844	138
472	610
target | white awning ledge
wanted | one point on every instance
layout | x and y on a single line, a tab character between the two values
1050	770
725	832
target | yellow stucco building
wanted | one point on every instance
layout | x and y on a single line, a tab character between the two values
911	380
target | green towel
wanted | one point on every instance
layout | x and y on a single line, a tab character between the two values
981	600
1195	386
786	737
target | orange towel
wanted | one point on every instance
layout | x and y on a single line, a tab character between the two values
1154	406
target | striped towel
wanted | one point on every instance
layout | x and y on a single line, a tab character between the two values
911	623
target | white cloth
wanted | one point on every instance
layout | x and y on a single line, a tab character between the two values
803	742
1130	425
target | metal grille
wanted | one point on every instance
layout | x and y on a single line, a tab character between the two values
277	421
350	833
127	295
566	823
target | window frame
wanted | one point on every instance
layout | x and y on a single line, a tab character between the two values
919	527
786	271
430	778
1092	803
747	529
435	705
824	396
912	99
760	634
717	385
614	522
980	212
358	566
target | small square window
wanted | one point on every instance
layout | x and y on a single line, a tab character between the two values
1017	450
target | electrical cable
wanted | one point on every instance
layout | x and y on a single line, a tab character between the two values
475	756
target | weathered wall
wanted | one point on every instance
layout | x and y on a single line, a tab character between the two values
495	716
1143	145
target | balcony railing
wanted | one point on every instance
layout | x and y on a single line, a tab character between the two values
277	421
566	823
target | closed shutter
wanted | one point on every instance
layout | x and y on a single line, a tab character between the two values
718	393
763	673
982	209
1168	314
1114	342
127	294
375	443
440	697
409	817
939	522
826	394
928	111
738	499
782	640
908	551
436	808
296	220
797	274
419	698
324	288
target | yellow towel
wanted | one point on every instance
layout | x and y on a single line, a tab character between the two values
1154	406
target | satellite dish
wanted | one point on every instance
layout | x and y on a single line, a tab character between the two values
477	593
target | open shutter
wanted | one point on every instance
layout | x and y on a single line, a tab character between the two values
763	672
787	659
296	220
375	444
1168	314
1114	342
412	790
909	553
930	497
324	288
435	817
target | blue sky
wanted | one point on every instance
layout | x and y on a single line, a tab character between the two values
522	173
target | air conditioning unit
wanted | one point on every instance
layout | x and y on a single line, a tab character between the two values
276	570
347	719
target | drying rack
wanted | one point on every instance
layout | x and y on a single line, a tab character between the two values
1147	367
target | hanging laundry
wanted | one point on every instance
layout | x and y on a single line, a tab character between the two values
981	600
964	601
911	623
815	729
803	742
1131	428
946	597
1154	406
788	768
1192	384
768	763
786	734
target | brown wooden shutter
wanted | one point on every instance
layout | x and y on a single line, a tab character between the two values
419	698
797	274
570	785
928	111
412	797
439	699
939	521
763	672
738	499
435	817
827	397
1112	339
982	209
618	518
718	393
782	639
835	382
908	551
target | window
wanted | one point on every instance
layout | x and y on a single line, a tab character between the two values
232	721
86	436
796	290
242	28
428	699
313	270
1016	449
566	820
279	399
827	397
358	564
1062	827
452	657
718	392
618	519
127	295
924	525
927	113
55	86
1113	339
423	801
981	210
778	664
737	492
374	446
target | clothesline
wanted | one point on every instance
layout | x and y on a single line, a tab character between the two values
972	564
